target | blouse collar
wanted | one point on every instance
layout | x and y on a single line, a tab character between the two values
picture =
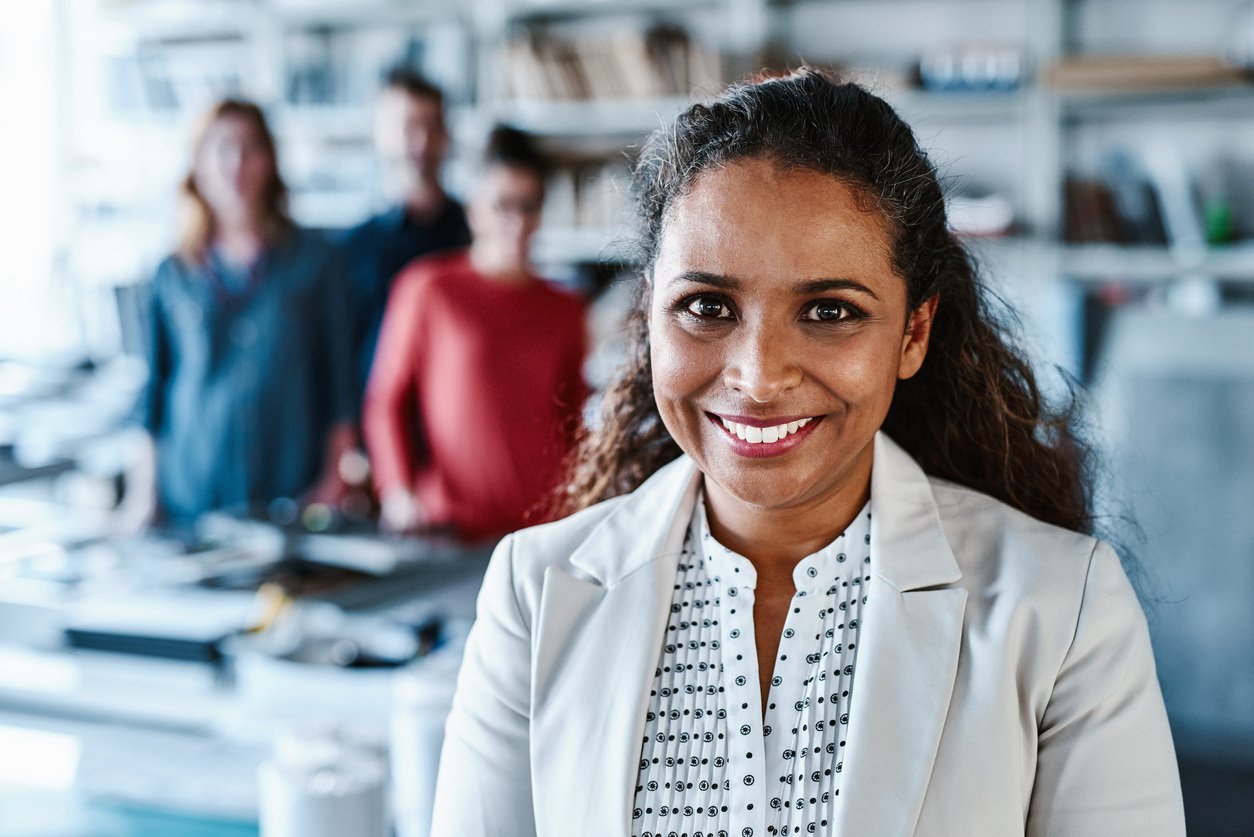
835	563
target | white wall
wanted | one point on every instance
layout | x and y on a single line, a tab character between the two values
36	316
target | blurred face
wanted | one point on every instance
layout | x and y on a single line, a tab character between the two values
505	213
233	167
779	330
410	136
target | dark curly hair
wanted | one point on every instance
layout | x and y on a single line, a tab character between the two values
973	414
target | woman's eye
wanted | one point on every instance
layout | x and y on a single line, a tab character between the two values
708	308
828	312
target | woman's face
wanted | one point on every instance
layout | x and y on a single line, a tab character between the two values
779	330
505	212
233	168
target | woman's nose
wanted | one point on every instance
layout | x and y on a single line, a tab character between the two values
762	365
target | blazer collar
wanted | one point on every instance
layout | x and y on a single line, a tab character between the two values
648	524
910	547
599	633
603	625
908	660
912	551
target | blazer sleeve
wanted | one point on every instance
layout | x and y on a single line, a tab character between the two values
484	783
1106	766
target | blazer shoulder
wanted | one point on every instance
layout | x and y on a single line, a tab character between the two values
996	544
537	548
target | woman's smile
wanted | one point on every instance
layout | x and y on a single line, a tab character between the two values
757	437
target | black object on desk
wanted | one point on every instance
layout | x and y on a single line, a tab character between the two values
165	647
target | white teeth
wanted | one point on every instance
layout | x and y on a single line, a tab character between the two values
763	435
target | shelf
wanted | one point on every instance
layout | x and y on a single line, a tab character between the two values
991	106
1153	264
1230	99
524	10
220	19
591	118
165	21
322	13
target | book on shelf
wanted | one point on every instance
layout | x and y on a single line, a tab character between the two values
588	195
1147	197
1090	215
1133	73
632	63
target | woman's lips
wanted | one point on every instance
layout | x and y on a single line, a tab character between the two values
758	437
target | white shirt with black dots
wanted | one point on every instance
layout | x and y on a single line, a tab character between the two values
712	763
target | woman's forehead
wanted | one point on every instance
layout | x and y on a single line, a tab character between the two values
232	129
755	218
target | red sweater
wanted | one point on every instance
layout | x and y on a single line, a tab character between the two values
474	394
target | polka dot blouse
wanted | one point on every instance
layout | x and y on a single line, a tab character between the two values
712	763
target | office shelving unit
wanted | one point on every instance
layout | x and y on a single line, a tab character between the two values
144	65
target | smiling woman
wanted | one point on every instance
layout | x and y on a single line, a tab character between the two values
829	572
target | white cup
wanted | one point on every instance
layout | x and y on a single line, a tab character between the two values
421	700
319	787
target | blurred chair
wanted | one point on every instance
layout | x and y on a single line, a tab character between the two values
1176	400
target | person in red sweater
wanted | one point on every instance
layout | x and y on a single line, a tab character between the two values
476	389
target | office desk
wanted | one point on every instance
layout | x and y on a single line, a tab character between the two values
99	744
29	813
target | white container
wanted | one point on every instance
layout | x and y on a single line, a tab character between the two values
318	787
420	704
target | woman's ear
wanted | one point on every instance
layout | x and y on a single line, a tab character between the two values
915	341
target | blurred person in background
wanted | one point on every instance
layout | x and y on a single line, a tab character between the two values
250	395
477	384
411	139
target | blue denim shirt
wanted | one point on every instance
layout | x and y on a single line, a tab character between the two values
249	371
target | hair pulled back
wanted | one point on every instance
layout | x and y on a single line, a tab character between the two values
973	414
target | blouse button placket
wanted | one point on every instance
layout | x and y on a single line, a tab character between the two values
734	577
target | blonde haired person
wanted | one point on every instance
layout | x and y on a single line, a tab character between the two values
249	396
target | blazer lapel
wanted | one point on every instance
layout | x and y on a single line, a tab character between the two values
908	659
599	633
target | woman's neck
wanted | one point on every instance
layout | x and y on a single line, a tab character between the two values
238	240
775	539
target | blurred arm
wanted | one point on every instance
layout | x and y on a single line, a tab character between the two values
390	412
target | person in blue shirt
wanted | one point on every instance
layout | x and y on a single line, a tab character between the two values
250	392
411	139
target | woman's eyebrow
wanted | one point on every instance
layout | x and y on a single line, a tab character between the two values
818	286
700	277
806	288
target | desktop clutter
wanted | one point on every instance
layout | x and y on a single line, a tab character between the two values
302	676
279	593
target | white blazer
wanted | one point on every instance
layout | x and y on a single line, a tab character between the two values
1005	680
